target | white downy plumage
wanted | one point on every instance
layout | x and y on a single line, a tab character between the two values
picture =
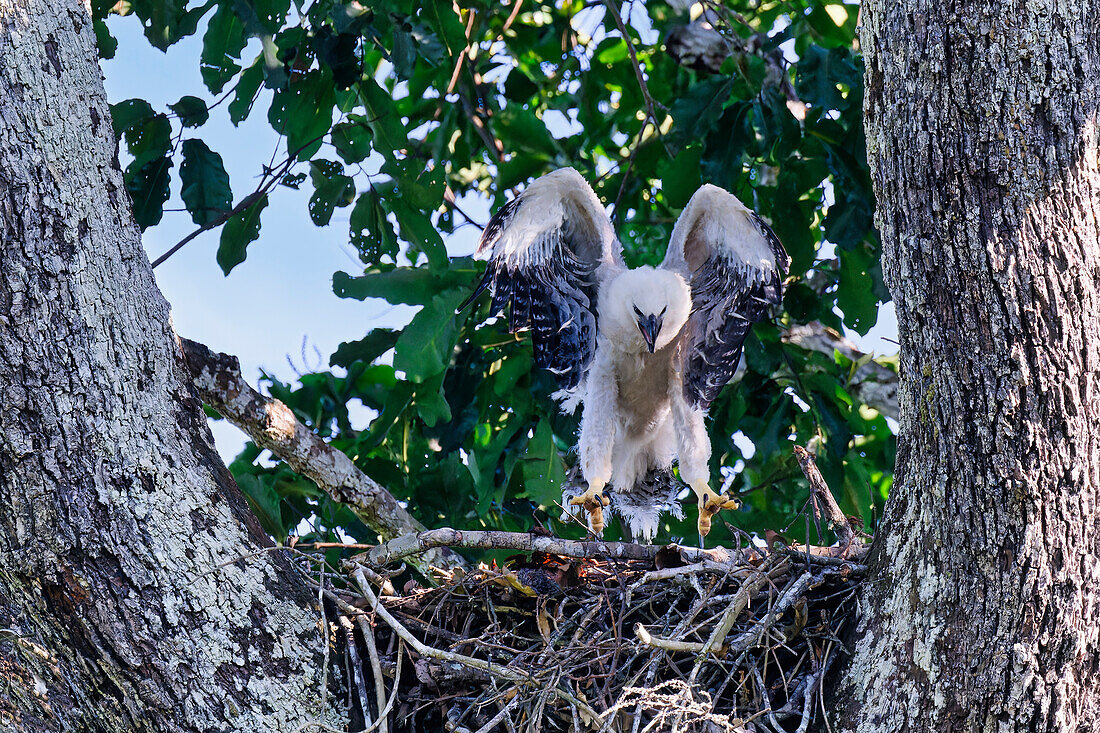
645	351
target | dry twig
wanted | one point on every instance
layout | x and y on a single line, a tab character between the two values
824	501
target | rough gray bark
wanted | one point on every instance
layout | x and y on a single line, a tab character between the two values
121	608
982	609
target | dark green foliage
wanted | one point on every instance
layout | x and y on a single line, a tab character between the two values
205	184
385	109
241	230
191	111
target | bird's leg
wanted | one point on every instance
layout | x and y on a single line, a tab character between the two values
593	501
710	504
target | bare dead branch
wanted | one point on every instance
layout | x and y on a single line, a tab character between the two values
413	544
824	501
272	425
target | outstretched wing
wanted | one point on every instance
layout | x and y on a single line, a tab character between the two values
735	265
548	249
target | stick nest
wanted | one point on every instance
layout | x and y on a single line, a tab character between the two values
680	639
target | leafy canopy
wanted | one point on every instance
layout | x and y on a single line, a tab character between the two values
398	110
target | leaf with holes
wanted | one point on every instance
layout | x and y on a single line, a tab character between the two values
352	139
370	232
331	189
221	48
303	112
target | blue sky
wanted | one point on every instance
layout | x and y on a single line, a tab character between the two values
276	311
277	307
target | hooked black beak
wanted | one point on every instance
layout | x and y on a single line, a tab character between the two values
650	326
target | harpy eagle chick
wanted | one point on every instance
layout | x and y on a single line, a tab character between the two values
645	351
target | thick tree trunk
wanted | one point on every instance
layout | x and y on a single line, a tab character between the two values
121	608
983	612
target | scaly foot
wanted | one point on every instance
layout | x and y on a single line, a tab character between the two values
709	505
593	502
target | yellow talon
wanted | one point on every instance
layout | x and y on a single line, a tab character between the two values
710	504
593	502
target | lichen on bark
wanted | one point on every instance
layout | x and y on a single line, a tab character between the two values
121	602
982	138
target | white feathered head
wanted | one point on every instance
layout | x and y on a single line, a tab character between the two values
644	309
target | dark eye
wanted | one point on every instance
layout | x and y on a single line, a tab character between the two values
637	311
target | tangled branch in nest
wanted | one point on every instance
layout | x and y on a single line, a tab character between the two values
666	639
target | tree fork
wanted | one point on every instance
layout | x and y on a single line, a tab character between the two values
980	610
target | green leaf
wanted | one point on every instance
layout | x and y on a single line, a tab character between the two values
370	231
351	17
382	117
543	468
104	41
352	139
417	229
421	187
519	169
148	135
430	403
680	176
262	16
265	503
819	73
403	54
695	113
408	285
366	349
447	25
338	52
425	347
331	188
191	111
521	130
129	115
855	294
239	231
167	21
151	141
247	88
148	188
835	31
221	47
303	112
519	87
848	222
205	184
